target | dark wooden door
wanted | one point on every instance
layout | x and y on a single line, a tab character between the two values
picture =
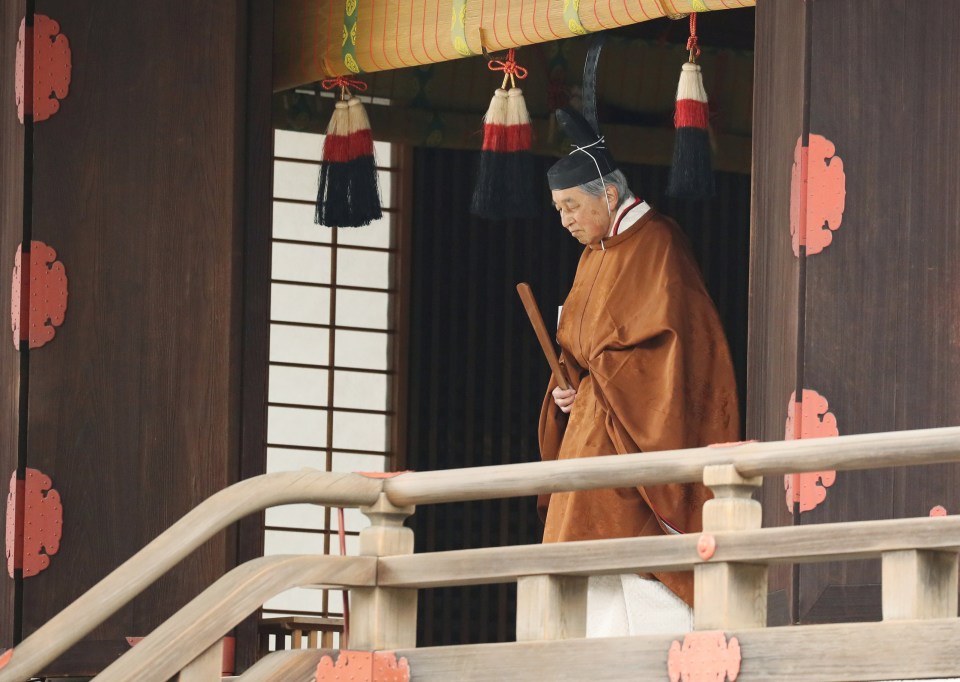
150	183
874	330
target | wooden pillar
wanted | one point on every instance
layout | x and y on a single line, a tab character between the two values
730	595
919	584
551	607
855	304
384	617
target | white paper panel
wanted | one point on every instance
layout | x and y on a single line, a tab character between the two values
295	221
360	390
305	345
298	385
368	350
364	268
291	303
290	426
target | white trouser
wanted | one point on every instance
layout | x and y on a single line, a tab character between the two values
626	604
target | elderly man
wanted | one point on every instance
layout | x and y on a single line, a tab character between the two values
641	333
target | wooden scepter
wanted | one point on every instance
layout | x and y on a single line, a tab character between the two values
533	312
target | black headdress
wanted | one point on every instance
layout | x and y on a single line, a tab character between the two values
590	158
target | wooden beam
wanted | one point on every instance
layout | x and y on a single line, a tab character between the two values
809	653
844	453
792	544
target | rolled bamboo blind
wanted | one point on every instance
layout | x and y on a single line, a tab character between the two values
318	39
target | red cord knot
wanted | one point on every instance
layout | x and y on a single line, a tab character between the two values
343	82
692	45
509	66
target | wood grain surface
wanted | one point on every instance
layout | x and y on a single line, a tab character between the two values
140	185
773	360
11	234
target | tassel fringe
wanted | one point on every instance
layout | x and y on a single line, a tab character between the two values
504	187
691	175
348	194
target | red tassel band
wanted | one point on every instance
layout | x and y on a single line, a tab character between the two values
691	114
503	138
343	148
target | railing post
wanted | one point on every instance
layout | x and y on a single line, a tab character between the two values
919	584
728	595
384	617
551	607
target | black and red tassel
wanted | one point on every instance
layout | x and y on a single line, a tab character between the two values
691	175
504	187
348	194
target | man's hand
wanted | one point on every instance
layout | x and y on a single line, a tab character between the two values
564	399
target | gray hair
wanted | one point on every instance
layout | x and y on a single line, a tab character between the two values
616	178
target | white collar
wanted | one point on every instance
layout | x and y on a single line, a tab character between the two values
628	216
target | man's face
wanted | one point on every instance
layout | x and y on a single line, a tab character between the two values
584	216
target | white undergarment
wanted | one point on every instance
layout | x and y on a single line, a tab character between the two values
626	604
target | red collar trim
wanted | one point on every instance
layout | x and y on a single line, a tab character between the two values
623	215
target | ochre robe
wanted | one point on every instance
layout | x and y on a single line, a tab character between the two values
640	330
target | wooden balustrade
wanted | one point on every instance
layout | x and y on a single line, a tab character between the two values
920	574
200	524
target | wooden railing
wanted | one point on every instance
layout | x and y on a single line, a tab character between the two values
730	560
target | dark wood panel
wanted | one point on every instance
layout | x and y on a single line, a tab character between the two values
772	368
134	406
882	325
11	233
253	235
929	345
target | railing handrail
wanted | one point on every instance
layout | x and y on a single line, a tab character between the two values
841	453
199	524
866	451
291	665
219	608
